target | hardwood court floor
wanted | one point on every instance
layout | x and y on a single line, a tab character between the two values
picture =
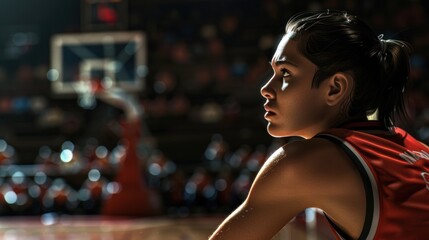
100	228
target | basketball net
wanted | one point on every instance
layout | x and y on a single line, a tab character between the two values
86	90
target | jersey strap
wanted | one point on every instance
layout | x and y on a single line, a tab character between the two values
370	185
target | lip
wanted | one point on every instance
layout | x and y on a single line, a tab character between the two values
268	108
268	115
269	112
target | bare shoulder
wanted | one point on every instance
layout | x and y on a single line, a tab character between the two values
307	173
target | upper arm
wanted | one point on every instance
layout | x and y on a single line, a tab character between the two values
311	173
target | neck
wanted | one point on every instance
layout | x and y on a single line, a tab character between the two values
349	120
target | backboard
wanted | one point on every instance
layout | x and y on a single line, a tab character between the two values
107	59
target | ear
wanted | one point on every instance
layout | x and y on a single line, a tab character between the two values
339	88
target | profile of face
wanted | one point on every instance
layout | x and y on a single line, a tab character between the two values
293	107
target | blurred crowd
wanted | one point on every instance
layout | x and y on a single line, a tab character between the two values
75	180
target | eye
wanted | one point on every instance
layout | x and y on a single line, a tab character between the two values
285	73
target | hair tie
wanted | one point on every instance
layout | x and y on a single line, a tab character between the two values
383	44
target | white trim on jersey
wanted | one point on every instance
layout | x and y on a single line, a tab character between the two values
373	182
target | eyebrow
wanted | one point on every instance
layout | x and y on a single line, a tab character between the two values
281	62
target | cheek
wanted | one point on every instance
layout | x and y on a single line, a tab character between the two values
292	103
299	108
284	86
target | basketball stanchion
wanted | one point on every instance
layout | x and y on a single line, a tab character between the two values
134	197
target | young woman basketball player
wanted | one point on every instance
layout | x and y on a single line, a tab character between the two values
370	178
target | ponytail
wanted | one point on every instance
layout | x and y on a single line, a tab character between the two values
394	58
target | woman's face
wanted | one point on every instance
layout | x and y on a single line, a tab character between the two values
293	107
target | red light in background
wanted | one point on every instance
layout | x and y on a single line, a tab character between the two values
107	14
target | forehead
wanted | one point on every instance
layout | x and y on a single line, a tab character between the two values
287	50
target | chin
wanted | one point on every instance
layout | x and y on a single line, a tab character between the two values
277	133
281	132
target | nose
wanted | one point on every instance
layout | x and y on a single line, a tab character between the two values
266	91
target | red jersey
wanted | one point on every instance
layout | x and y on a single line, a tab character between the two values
395	170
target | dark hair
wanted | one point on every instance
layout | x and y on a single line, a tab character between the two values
336	41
